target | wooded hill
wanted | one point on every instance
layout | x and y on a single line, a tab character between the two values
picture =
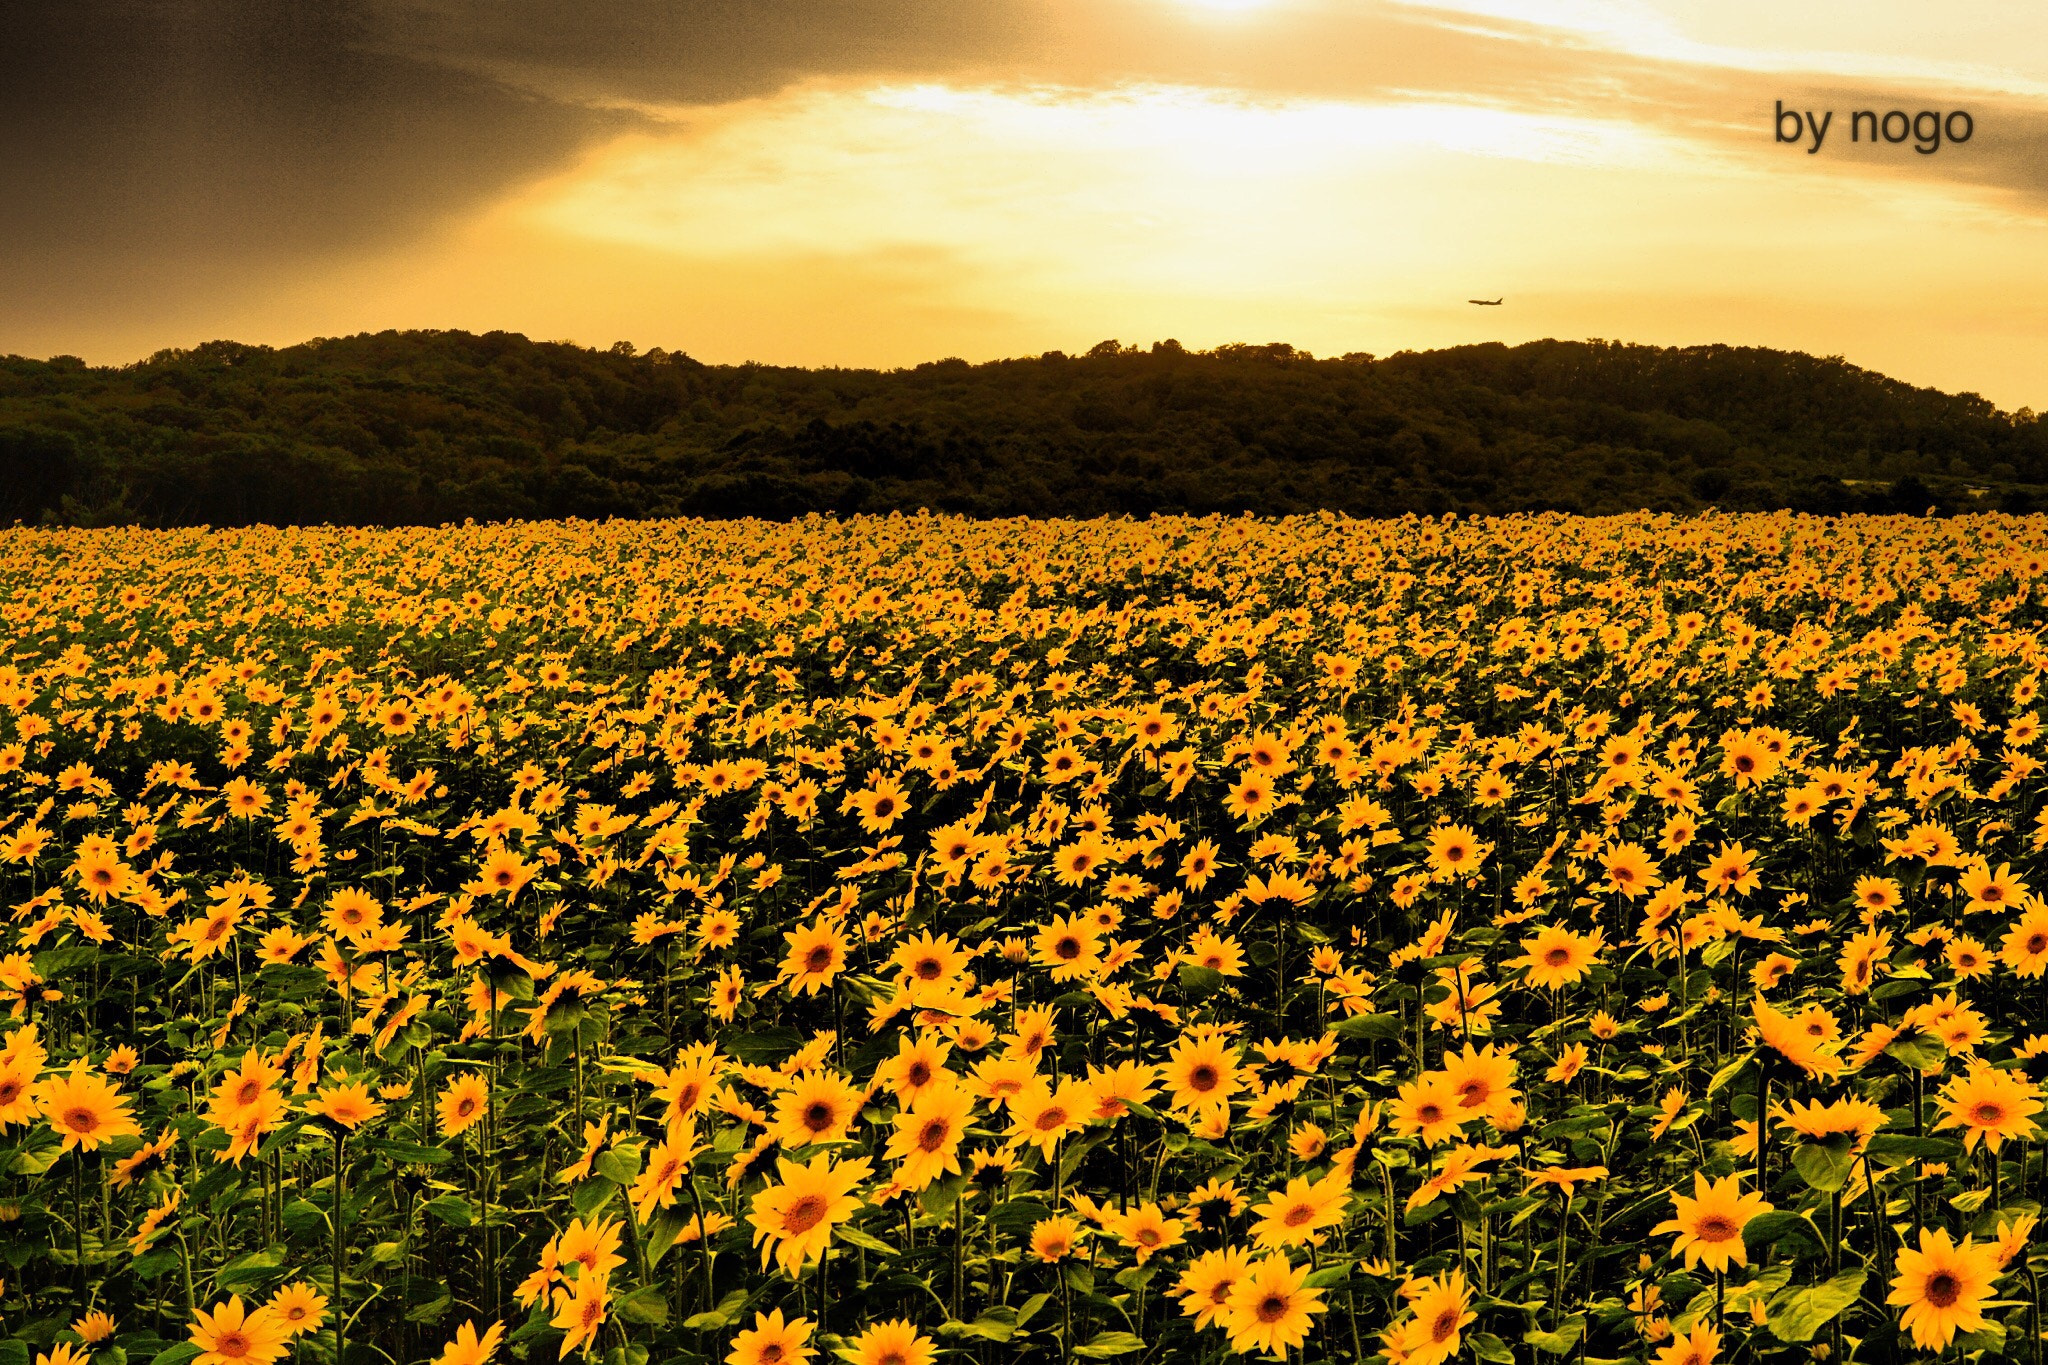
432	426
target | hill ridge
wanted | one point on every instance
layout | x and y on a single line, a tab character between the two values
424	426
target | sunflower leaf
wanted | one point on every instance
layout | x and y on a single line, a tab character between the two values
1562	1340
1105	1344
1796	1314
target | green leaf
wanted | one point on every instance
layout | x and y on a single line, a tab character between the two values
1922	1050
1796	1314
1103	1345
58	962
406	1153
1137	1277
1199	982
853	1236
175	1354
998	1323
1491	1349
941	1196
253	1266
149	1266
1896	1149
764	1047
719	1318
1779	1225
661	1234
451	1209
646	1305
303	1218
1328	1276
591	1195
432	1310
620	1165
1729	1071
35	1160
1823	1166
1368	1026
1562	1340
1018	1216
16	1352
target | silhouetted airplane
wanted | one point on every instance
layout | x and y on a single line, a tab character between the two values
1488	303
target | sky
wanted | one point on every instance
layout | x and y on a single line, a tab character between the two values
878	183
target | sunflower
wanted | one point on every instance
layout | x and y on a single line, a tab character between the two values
94	1327
229	1335
1040	1116
247	1125
1077	862
1147	1230
930	957
817	954
504	872
1631	871
1990	1106
348	1106
1433	1333
2025	946
470	1349
820	1107
1293	1217
580	1309
86	1111
1698	1347
1989	890
894	1342
299	1307
1484	1080
464	1102
1201	1069
1455	851
793	1219
1115	1089
1794	1042
1557	957
594	1246
1270	1308
1858	1118
1071	946
919	1065
667	1164
927	1137
1731	871
1942	1287
145	1160
352	913
879	806
1204	1288
1710	1223
1430	1108
1055	1238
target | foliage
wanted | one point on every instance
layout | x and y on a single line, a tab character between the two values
426	427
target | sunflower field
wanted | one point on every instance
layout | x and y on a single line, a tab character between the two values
917	939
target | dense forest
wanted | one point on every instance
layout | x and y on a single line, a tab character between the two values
432	426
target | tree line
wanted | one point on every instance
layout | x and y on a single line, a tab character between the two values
422	427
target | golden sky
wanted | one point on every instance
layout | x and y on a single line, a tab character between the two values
881	182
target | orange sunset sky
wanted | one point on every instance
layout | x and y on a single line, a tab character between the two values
851	182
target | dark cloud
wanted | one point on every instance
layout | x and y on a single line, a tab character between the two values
134	133
714	51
